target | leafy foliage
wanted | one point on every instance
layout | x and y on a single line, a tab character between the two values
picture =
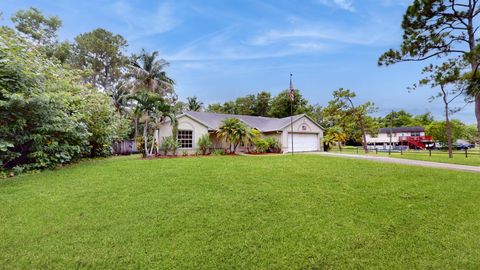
193	104
100	51
46	116
234	132
204	143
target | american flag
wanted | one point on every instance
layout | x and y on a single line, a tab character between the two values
291	93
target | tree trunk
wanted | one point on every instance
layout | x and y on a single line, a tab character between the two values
477	113
145	137
364	136
448	128
135	120
474	62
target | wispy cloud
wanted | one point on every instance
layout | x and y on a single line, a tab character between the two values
343	4
146	22
315	33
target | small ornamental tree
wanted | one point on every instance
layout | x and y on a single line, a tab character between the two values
234	132
204	143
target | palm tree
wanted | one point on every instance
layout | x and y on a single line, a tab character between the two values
193	104
149	105
335	134
148	73
234	132
119	94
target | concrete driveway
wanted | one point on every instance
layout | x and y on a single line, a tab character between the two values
411	162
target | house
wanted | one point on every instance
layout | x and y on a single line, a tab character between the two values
406	137
307	134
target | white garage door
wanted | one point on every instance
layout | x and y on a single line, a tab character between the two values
303	142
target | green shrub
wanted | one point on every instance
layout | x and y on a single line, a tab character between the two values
204	143
184	153
273	144
262	146
169	144
219	152
47	117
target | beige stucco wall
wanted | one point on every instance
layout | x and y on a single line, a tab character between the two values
185	123
302	125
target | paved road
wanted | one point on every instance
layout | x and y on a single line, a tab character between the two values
407	162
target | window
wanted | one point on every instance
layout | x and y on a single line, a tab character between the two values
185	138
415	134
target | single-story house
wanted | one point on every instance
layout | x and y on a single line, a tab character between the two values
406	137
307	134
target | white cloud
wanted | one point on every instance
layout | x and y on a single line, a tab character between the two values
359	36
343	4
142	22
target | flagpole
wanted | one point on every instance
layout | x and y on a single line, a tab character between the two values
291	109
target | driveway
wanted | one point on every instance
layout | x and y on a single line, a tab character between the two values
406	162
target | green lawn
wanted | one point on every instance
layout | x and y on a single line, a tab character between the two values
277	212
473	158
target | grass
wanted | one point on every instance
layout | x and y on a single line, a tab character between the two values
473	158
276	212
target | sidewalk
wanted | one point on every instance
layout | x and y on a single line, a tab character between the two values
406	162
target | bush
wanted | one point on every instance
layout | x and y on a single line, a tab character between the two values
170	144
204	143
273	144
219	152
184	153
47	117
262	146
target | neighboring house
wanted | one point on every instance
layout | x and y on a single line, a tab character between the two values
407	137
307	134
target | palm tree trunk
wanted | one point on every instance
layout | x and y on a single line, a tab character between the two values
145	137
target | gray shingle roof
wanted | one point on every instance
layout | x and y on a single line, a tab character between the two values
402	129
263	124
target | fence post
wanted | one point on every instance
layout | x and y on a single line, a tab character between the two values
376	151
466	152
430	152
357	150
401	151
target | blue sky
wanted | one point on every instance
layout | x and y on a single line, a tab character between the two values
220	50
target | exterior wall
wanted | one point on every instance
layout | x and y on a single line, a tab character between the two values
302	125
185	123
385	138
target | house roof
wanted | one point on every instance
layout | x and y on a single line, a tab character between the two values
264	124
401	129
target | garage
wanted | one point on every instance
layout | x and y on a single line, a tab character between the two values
303	142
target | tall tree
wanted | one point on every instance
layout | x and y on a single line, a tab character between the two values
281	104
447	78
193	104
38	28
215	108
42	31
262	103
148	72
441	28
149	105
246	105
100	51
343	103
